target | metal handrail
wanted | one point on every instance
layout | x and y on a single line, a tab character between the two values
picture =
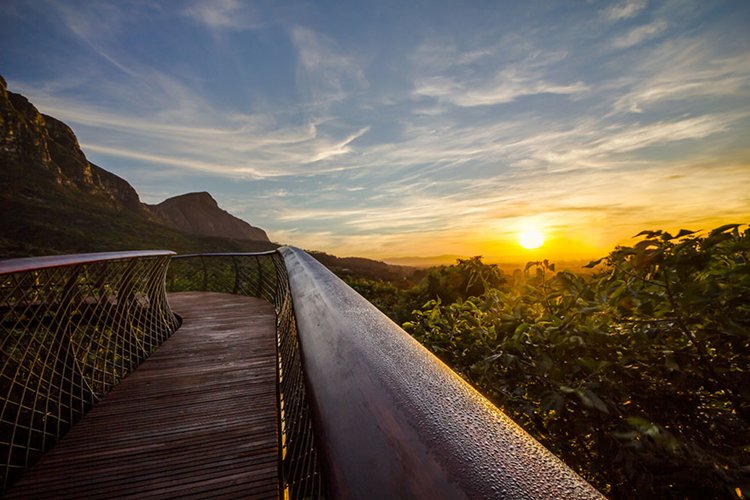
395	421
38	263
72	327
225	254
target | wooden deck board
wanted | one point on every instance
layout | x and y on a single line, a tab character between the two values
198	418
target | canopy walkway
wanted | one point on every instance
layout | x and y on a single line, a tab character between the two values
272	380
197	418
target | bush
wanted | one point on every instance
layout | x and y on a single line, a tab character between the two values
636	376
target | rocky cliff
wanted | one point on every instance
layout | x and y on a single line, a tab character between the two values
33	143
54	200
198	213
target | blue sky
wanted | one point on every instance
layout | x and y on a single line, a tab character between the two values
389	129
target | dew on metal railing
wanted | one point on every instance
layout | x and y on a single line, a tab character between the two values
480	450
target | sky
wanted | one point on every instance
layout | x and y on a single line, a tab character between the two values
421	128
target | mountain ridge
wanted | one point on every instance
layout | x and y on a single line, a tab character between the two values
54	200
199	213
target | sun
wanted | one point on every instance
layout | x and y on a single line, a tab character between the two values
531	238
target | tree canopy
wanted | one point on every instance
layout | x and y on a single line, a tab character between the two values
637	376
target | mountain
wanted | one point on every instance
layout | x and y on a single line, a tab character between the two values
33	143
53	200
198	213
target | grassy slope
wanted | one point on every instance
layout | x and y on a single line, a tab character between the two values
41	218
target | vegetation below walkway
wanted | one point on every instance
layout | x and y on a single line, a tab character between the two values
636	376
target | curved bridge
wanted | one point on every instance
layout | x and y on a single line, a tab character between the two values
310	392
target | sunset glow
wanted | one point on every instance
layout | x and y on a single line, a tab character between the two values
531	238
391	130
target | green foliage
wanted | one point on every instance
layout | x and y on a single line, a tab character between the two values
398	298
470	277
51	220
637	376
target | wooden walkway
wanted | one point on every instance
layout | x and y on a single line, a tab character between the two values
198	418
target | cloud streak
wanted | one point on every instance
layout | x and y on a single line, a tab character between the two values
369	131
640	34
453	77
223	14
325	72
505	87
624	10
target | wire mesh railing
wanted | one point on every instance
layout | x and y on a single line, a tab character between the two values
264	275
72	328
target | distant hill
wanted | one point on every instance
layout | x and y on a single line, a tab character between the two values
53	200
198	213
365	268
423	262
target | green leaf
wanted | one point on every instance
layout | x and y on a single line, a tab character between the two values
590	399
521	328
684	232
594	263
649	234
723	229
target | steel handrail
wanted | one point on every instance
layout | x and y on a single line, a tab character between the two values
393	420
24	264
225	254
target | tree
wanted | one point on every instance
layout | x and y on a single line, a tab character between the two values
637	376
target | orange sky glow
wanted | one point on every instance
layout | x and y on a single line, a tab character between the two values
409	129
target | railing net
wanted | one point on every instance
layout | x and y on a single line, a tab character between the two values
264	276
70	334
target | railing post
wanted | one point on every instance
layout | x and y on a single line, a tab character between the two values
258	288
205	274
236	276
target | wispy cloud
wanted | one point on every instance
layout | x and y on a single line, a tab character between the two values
383	132
652	196
325	71
448	80
197	137
640	34
618	139
624	10
504	88
97	25
328	151
224	14
686	68
214	167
